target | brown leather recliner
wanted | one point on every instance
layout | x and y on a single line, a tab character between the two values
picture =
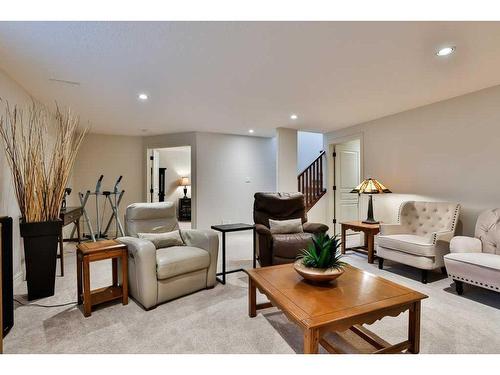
275	249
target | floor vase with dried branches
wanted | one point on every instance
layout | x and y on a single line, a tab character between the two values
41	148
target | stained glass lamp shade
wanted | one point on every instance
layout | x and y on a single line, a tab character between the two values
370	186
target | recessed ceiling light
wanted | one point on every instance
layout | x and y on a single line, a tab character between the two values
250	131
143	96
445	51
294	117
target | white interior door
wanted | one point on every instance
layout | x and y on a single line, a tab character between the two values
347	177
156	175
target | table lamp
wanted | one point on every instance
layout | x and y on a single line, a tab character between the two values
185	182
370	186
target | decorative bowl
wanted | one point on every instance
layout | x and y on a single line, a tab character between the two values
317	275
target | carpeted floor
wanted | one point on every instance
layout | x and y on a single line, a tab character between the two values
216	320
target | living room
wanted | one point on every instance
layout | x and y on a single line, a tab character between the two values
250	187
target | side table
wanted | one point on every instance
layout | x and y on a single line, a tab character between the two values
370	230
95	251
225	228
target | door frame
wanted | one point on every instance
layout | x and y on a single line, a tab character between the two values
331	165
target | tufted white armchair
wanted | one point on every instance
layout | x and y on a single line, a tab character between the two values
476	260
422	236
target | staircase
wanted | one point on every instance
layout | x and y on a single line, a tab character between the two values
310	182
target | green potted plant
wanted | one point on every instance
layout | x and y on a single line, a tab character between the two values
41	148
320	262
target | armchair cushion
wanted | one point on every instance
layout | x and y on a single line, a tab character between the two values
462	244
162	240
390	229
285	226
288	245
408	243
179	260
315	228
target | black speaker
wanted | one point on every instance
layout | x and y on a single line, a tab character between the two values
7	275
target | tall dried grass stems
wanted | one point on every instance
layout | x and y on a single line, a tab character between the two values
40	166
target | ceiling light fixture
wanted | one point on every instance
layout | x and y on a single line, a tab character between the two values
445	51
143	96
294	117
250	131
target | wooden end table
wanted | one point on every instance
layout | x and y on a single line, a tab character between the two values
354	299
370	230
95	251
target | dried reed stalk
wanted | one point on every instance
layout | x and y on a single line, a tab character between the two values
40	167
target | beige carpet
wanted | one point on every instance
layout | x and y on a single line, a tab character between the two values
216	320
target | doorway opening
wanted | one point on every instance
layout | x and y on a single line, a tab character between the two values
169	180
345	174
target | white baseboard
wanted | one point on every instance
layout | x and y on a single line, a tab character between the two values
18	279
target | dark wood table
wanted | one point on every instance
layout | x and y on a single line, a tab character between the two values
227	228
355	298
95	251
370	230
69	215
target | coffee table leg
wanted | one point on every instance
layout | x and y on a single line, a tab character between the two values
311	341
252	298
369	240
414	328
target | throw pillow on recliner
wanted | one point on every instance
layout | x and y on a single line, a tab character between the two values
285	226
163	240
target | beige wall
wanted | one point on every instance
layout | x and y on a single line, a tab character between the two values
286	160
445	151
15	95
111	156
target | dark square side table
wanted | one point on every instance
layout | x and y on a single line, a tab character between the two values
227	228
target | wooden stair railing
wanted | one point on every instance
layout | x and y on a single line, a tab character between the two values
310	182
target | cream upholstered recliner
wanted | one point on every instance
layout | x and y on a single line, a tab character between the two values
422	237
159	275
476	260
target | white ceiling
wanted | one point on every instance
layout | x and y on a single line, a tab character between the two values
232	76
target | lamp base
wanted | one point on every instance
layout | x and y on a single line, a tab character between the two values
370	222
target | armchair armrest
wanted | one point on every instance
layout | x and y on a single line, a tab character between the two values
390	229
444	236
315	228
207	240
462	244
262	230
142	270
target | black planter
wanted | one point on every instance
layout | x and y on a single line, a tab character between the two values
40	253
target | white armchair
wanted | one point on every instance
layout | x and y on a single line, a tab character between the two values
476	260
422	236
159	275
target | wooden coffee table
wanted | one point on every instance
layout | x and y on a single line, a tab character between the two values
354	299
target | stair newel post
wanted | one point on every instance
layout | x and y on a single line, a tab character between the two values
320	174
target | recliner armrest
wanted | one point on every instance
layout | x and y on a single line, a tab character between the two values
315	228
463	244
208	240
263	230
390	229
142	270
